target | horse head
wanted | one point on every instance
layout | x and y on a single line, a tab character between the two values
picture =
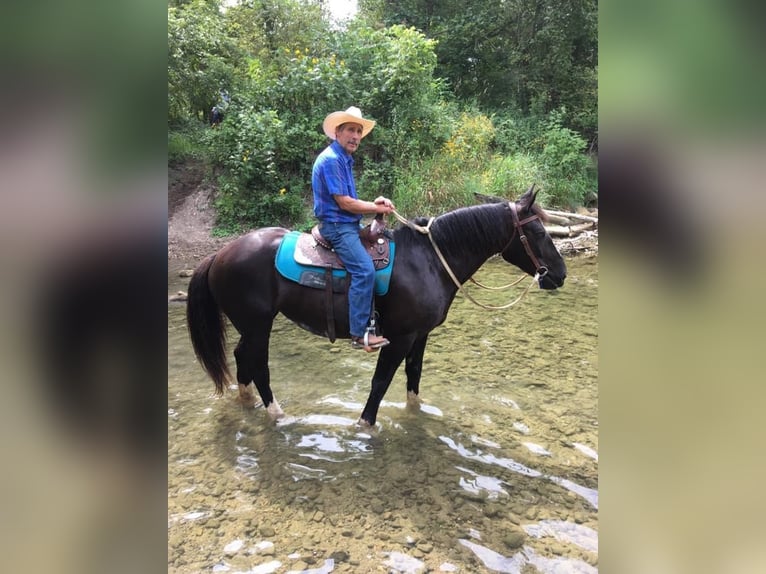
531	248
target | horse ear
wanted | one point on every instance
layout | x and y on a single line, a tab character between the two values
526	200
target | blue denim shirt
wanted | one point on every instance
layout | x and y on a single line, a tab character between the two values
332	175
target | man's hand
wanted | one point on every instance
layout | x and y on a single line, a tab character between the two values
383	205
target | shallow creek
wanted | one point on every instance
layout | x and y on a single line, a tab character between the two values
497	472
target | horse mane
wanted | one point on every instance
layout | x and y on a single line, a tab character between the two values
481	223
486	225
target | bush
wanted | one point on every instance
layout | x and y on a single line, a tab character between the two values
567	167
433	186
564	172
187	143
252	187
515	133
471	137
510	176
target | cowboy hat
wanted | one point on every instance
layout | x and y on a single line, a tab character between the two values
353	115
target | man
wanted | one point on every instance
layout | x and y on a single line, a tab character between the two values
339	211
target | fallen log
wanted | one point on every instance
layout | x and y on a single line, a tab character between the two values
558	220
568	215
570	231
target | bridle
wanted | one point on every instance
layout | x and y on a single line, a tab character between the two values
518	224
541	270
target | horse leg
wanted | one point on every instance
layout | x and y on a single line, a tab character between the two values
414	368
252	356
247	394
391	356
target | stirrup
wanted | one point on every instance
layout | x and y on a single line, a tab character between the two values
364	342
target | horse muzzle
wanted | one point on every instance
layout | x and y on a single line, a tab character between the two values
547	281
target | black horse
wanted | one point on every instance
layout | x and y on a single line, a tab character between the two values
241	282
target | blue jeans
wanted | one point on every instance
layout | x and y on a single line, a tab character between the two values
344	238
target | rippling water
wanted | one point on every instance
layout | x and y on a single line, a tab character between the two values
497	471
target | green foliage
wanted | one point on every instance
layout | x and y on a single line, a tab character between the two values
391	74
509	176
565	172
565	163
186	144
511	53
472	135
488	100
202	59
434	185
253	190
516	133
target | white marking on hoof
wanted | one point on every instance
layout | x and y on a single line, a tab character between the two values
275	411
413	397
364	425
246	395
413	401
366	430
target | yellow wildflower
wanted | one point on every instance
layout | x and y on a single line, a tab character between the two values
282	191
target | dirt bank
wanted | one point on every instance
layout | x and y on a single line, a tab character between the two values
191	215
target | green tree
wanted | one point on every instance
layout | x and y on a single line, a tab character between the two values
532	55
202	59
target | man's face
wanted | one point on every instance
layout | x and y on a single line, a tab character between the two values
349	135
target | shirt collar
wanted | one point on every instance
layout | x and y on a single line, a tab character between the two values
341	152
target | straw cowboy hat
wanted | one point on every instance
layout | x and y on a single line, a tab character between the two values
353	114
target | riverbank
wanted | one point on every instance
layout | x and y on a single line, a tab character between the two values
191	218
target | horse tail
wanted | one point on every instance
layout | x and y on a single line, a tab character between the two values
206	326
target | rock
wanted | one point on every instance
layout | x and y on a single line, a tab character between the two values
514	539
264	548
318	516
179	296
233	547
267	531
339	556
425	547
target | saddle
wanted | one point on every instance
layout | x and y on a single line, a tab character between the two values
313	249
309	260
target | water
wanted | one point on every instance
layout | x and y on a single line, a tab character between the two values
497	472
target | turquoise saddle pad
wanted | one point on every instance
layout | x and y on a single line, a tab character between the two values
314	276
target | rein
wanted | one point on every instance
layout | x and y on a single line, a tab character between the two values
516	228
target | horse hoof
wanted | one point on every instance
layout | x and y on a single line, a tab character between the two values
275	411
366	430
413	401
247	396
